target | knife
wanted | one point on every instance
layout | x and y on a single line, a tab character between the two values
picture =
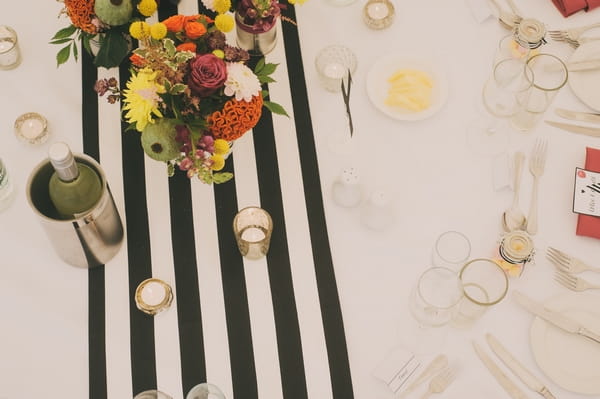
588	131
583	65
561	321
517	368
578	116
510	387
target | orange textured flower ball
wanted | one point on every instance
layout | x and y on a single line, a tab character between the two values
80	12
235	119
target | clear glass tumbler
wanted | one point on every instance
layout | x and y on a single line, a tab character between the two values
205	391
252	227
10	55
333	64
451	249
6	187
510	77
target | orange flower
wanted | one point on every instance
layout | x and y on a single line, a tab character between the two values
80	12
137	60
174	23
187	46
235	119
194	30
190	18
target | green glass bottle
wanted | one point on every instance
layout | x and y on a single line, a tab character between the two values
74	187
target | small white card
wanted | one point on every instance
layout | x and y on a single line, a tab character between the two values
586	195
397	369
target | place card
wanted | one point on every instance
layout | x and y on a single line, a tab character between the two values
398	369
586	194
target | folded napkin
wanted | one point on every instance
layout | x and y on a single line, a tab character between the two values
568	7
590	225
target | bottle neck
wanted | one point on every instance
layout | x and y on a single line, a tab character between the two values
63	161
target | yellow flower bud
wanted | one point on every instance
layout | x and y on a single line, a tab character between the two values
221	147
139	30
147	7
218	162
224	22
219	53
222	6
158	30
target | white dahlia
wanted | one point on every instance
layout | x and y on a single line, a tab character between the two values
241	82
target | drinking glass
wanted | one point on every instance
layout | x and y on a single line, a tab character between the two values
484	284
152	394
333	64
253	227
10	55
205	391
451	250
547	74
432	303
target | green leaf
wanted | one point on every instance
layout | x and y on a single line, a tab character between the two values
169	47
269	69
63	55
259	66
113	50
178	88
275	108
170	169
222	177
75	50
61	41
265	79
65	32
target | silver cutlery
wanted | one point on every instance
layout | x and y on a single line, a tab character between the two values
537	162
557	319
578	116
572	33
584	65
509	386
572	282
437	364
506	18
517	368
587	131
513	218
567	262
440	382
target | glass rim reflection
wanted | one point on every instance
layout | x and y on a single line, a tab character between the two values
449	273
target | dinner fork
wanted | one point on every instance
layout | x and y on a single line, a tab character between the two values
573	282
506	18
537	162
568	263
440	382
573	33
579	42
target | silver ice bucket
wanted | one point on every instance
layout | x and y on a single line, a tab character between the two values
87	241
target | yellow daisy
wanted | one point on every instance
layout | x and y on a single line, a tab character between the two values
141	98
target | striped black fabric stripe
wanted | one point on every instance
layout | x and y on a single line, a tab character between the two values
96	311
143	358
189	316
237	315
291	363
331	313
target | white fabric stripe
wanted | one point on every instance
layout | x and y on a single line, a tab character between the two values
214	325
314	349
260	304
168	360
118	352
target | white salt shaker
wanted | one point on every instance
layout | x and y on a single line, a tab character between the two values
347	190
378	212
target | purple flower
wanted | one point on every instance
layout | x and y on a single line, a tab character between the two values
207	74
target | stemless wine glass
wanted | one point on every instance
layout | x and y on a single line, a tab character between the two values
432	302
152	394
205	390
451	249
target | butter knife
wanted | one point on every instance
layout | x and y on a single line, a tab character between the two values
557	319
517	368
578	116
583	65
509	386
588	131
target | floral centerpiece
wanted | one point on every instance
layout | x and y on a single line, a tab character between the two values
190	93
102	27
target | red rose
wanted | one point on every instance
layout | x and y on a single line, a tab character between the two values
207	73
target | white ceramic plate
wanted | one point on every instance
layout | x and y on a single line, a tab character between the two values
570	360
586	84
382	69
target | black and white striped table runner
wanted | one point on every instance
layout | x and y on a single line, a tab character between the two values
271	328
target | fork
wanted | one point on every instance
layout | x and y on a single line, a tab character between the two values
506	18
579	42
440	382
568	263
537	162
573	33
573	282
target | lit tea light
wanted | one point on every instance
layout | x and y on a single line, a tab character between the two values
335	70
378	14
31	128
10	56
153	296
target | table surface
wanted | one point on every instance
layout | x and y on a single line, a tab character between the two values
437	183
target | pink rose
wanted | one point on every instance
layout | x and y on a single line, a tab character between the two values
207	73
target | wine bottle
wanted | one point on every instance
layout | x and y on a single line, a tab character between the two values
74	187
